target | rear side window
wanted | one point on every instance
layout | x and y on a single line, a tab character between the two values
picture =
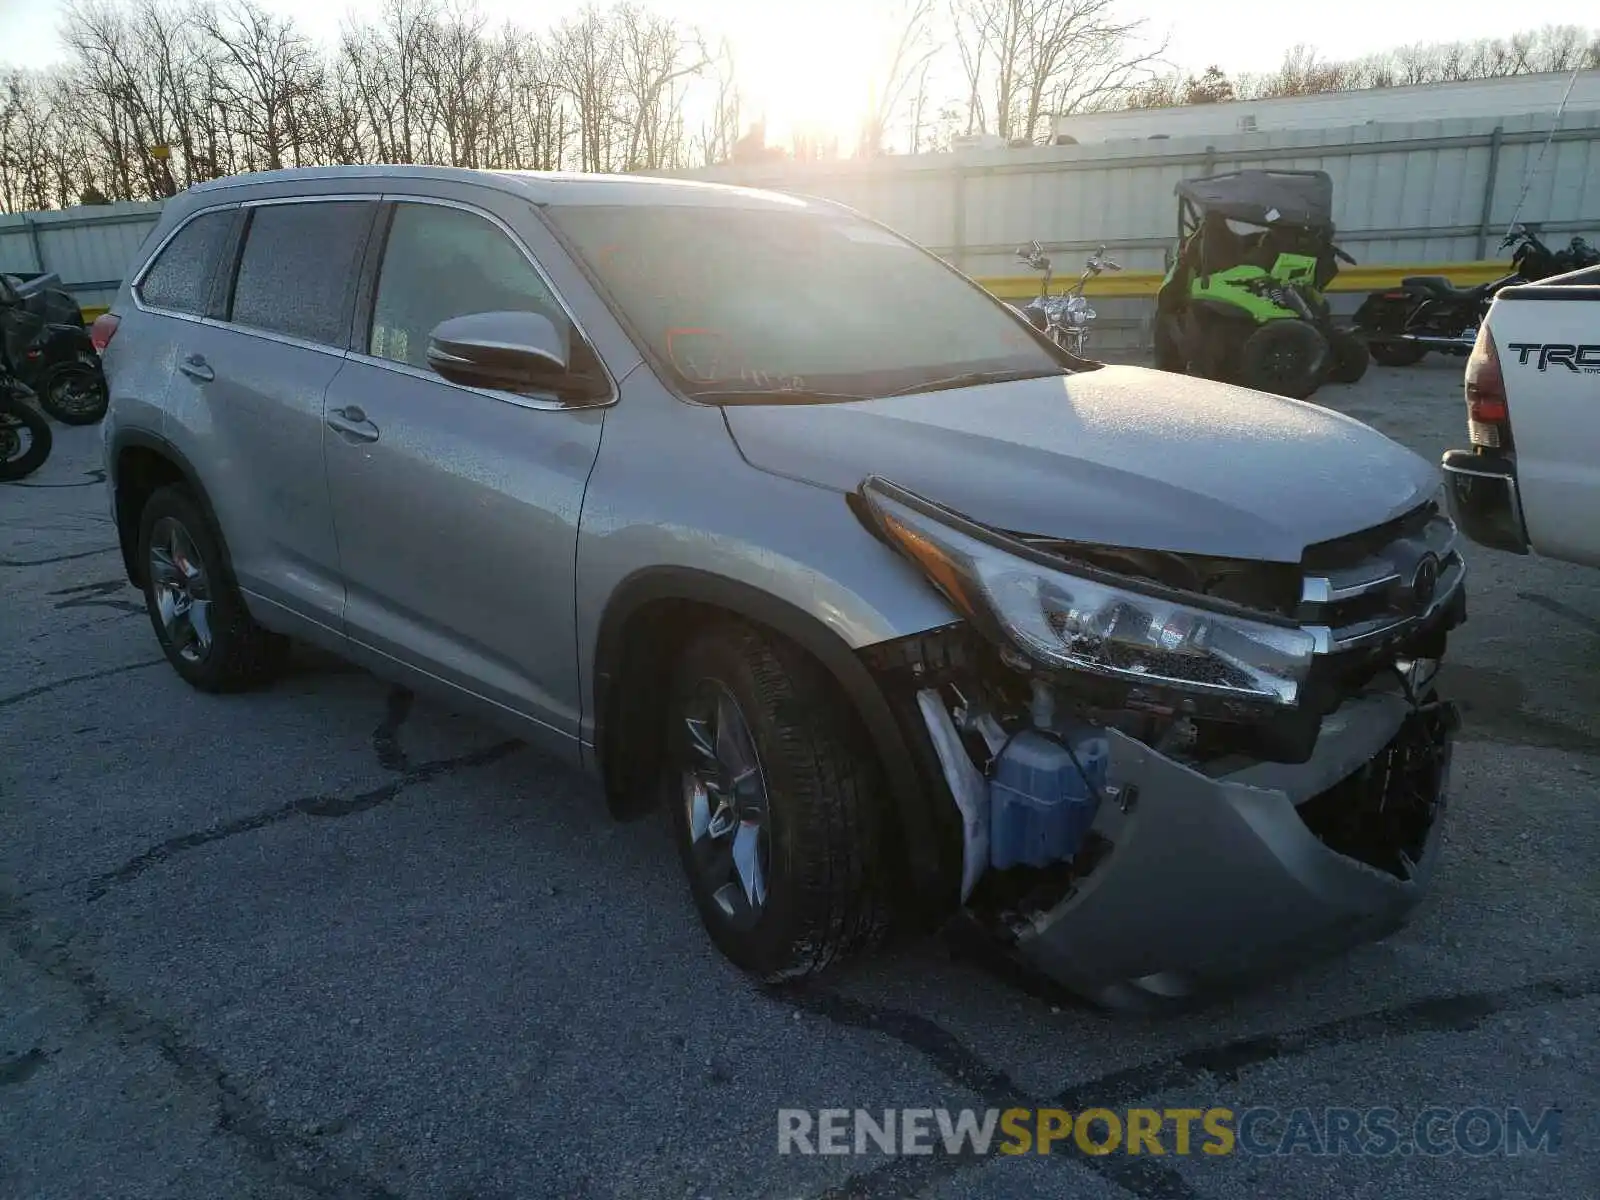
180	277
297	274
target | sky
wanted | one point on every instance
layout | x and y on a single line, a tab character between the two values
793	57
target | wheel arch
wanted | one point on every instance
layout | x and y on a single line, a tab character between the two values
141	463
632	658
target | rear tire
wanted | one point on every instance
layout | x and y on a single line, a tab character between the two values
1286	358
198	614
1396	354
25	439
1348	356
811	811
74	393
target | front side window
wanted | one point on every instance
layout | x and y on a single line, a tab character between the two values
446	262
297	275
768	304
180	278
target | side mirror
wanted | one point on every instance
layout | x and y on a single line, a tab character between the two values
513	351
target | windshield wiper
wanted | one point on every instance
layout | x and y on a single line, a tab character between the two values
974	378
773	396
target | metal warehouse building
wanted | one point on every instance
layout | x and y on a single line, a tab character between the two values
1513	96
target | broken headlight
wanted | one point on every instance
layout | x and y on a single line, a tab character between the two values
1083	619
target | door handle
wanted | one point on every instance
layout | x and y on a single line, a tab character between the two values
196	368
352	424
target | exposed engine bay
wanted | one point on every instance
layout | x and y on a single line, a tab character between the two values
1122	835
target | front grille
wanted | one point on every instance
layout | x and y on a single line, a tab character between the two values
1374	585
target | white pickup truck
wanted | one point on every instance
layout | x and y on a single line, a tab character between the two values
1531	480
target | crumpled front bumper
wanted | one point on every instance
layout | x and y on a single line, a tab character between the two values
1217	877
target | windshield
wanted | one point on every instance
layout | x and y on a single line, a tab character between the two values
764	305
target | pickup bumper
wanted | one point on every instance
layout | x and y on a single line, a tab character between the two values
1222	877
1483	497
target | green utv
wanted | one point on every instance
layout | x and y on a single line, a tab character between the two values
1242	299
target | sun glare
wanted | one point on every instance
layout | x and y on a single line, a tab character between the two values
807	74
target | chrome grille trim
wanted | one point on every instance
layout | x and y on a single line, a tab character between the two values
1383	575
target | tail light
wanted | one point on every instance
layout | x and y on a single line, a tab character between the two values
103	330
1488	416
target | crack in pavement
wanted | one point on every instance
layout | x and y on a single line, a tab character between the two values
1143	1177
304	806
386	737
59	558
96	476
98	595
900	1177
21	1067
1561	609
294	1158
44	688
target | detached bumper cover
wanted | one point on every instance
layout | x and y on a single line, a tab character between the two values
1484	501
1225	876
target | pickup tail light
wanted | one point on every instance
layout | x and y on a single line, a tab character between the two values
1488	415
103	330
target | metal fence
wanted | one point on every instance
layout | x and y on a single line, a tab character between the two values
1432	195
89	248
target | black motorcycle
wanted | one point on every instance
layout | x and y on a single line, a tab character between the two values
1428	312
54	355
24	433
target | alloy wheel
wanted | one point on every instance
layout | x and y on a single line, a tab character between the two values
726	809
182	590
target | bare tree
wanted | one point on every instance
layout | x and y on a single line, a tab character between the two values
1036	58
903	76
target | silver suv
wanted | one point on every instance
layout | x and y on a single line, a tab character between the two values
749	506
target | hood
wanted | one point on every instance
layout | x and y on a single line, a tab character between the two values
1121	456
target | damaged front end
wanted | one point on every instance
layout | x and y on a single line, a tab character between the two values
1169	770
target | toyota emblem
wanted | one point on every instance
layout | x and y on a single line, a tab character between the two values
1425	582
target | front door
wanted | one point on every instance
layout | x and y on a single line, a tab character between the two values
457	508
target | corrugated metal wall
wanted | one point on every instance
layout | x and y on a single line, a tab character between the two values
89	248
1424	194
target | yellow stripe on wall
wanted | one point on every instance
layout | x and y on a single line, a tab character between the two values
1350	279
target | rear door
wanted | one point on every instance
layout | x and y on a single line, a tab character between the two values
248	396
456	507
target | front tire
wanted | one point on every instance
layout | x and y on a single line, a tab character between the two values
1287	358
25	439
774	797
199	617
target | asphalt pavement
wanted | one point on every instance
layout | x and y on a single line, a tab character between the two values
328	940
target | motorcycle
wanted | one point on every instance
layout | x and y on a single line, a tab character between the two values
1428	312
55	355
1064	319
25	437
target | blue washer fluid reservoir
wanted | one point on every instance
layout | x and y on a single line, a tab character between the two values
1040	804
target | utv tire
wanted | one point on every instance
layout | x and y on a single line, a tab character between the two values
1396	354
766	765
1168	338
1287	358
1347	353
198	615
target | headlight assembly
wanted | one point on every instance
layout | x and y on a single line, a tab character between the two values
1083	619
